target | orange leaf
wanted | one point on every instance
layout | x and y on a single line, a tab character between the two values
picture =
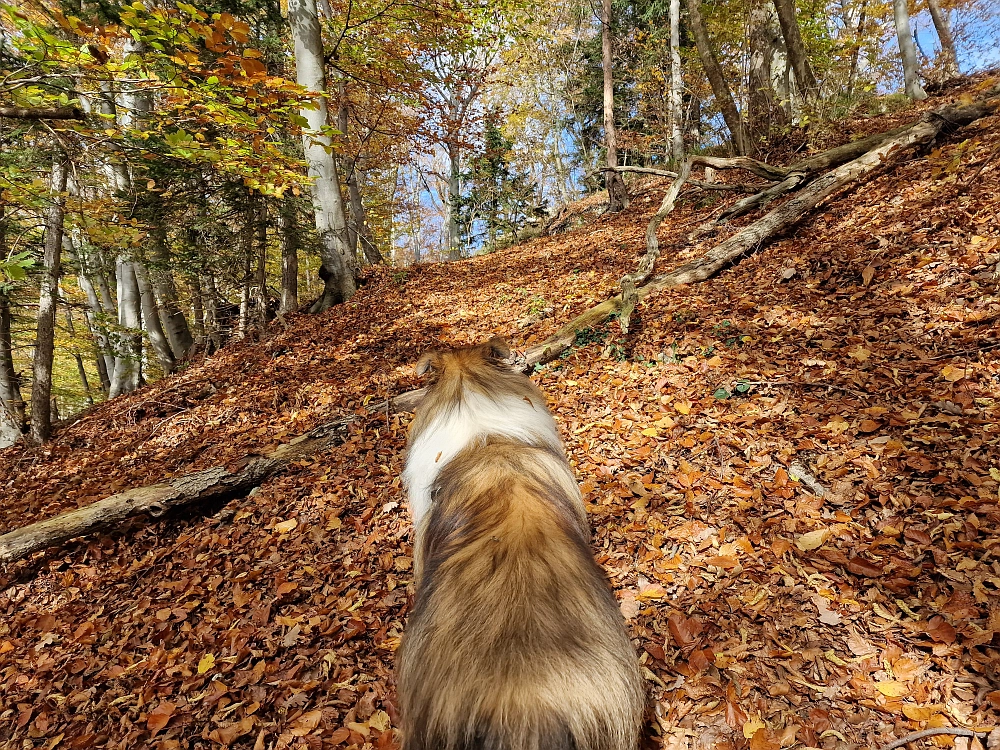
159	716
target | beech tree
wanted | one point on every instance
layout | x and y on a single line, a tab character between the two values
907	50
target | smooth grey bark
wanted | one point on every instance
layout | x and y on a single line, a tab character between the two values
796	49
337	262
454	193
210	298
949	56
717	79
907	51
45	326
11	403
364	233
12	407
676	115
197	309
97	321
289	257
617	194
762	108
174	324
99	361
151	320
127	342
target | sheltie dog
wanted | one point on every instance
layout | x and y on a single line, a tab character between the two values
515	641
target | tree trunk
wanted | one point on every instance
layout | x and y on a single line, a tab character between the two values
204	487
797	56
454	194
259	318
949	57
41	386
81	370
197	309
151	318
764	111
859	30
11	402
289	257
716	78
97	321
99	361
676	102
907	51
337	267
174	324
617	194
213	333
364	232
128	340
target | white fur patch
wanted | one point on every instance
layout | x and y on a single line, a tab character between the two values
477	418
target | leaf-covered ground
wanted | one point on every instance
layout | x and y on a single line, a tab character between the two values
860	356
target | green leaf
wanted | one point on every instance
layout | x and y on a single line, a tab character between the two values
722	394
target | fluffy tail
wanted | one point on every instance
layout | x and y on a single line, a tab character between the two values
515	642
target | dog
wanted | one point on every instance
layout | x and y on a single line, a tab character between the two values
515	641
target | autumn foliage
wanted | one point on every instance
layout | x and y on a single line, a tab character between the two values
771	609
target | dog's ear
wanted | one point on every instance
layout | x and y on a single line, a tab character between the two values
428	363
497	348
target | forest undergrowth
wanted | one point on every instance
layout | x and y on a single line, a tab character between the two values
791	470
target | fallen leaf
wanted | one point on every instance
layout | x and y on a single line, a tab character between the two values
159	716
206	663
892	688
751	726
306	723
812	540
940	630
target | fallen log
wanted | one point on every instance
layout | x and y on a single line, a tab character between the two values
216	484
886	147
43	113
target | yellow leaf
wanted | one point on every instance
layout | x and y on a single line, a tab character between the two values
651	432
919	713
380	721
995	474
206	663
812	540
715	361
752	726
285	526
684	407
952	374
892	688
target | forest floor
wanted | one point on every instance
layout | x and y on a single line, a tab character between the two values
863	349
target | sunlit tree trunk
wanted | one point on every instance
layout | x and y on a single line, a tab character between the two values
128	340
454	193
790	32
328	204
45	325
762	108
289	257
12	408
907	51
949	56
151	318
716	78
617	194
676	101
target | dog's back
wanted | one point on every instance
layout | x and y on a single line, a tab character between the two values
515	641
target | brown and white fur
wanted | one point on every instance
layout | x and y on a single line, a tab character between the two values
515	641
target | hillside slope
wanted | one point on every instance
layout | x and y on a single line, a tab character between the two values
862	349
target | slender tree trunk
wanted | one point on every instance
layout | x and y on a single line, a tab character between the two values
41	386
338	264
99	361
197	309
797	56
617	194
761	104
213	334
11	403
125	377
97	322
716	78
364	232
174	324
454	193
907	51
260	273
81	370
676	84
949	57
289	257
151	317
859	30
